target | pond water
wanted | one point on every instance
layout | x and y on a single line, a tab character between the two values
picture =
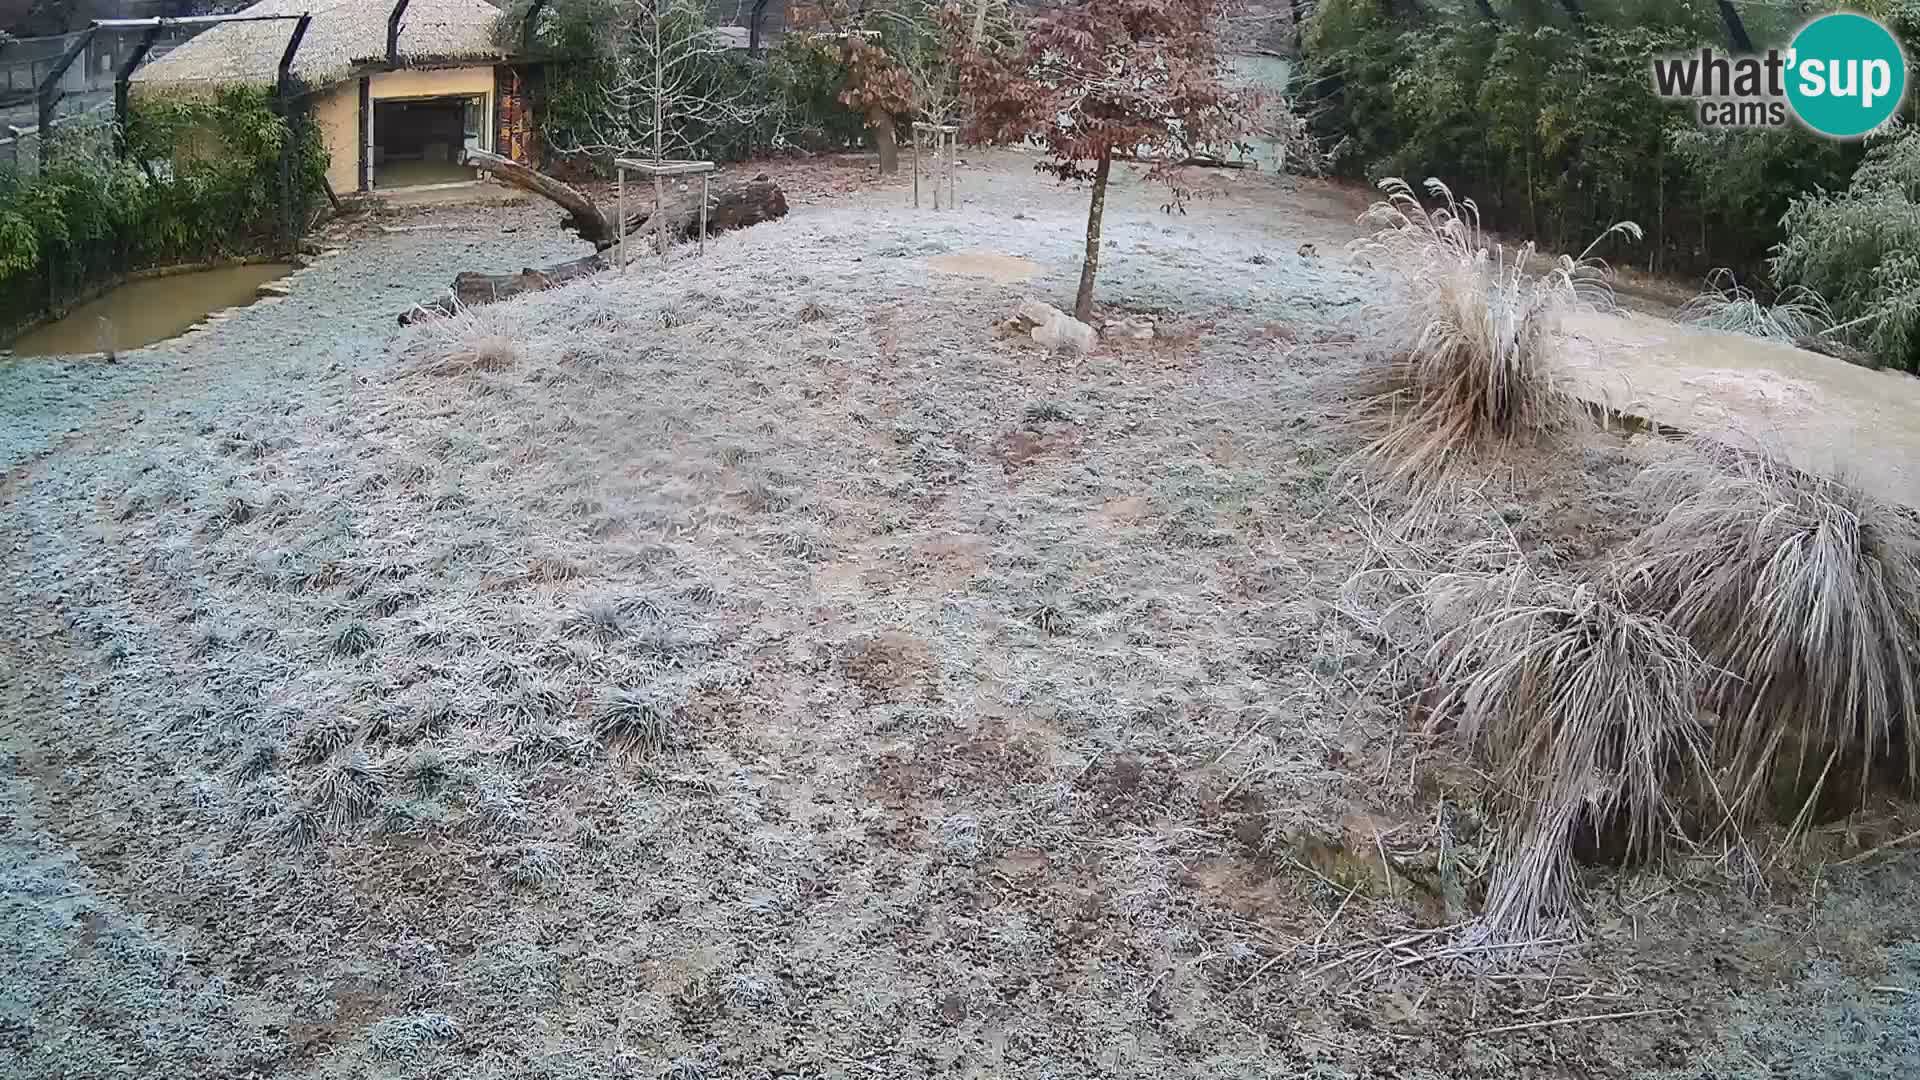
148	310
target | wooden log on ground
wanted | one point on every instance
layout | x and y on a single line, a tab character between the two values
729	207
472	289
582	217
735	206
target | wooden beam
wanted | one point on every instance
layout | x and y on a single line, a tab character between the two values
283	103
283	84
393	31
186	20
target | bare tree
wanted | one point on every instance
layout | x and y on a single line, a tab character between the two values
673	85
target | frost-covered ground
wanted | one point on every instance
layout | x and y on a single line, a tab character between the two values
773	666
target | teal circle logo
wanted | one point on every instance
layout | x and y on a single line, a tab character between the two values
1845	75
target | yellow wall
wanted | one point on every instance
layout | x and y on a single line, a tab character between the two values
337	112
402	84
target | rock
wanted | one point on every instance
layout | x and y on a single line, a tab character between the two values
1309	250
1131	328
1056	329
275	288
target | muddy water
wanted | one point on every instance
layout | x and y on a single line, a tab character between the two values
149	310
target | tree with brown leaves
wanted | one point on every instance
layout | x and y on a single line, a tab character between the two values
878	88
1099	79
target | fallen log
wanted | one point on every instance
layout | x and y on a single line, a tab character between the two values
729	207
472	289
733	207
582	217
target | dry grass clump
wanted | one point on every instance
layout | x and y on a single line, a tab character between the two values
1585	708
1805	595
466	342
638	720
1473	345
1730	306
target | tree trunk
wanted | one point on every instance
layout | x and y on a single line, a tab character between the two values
1083	300
881	121
980	22
582	217
728	208
659	142
754	20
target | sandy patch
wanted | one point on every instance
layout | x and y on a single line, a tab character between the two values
1005	269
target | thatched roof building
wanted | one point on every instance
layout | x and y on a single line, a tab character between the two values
346	39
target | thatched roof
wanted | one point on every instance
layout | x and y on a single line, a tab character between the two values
345	37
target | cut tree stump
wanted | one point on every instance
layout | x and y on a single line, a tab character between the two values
732	207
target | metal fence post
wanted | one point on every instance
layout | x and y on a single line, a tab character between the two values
48	91
283	103
122	87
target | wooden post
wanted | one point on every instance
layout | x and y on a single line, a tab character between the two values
703	213
620	215
916	166
953	151
393	31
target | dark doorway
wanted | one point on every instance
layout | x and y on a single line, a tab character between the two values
418	140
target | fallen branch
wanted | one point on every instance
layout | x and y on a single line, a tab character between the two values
1565	1020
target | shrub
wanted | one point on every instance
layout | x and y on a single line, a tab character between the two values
90	216
1730	306
1584	707
1472	344
1804	595
1861	250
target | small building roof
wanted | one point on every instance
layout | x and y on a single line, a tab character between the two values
346	37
